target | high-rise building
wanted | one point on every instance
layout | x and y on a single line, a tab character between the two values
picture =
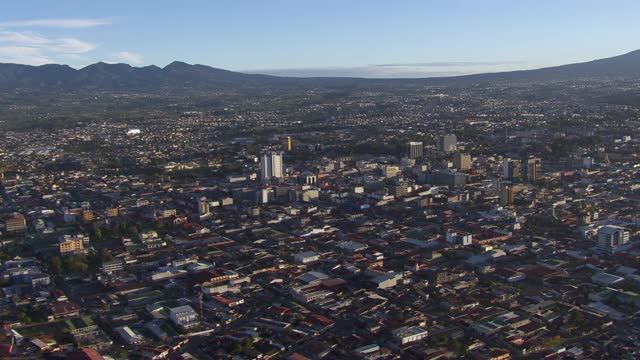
511	169
398	189
507	195
287	144
611	237
531	170
447	143
462	161
271	165
508	192
414	149
449	178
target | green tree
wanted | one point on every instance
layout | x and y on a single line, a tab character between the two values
55	266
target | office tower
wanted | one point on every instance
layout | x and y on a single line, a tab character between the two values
271	165
611	237
462	161
511	169
398	189
447	143
414	149
508	192
287	144
449	178
507	195
531	170
307	178
203	206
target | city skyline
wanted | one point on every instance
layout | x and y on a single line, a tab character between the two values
372	39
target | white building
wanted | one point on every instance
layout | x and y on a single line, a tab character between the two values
306	257
611	237
455	238
414	149
203	206
408	334
129	336
184	316
271	165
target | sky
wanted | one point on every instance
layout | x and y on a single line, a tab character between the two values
364	38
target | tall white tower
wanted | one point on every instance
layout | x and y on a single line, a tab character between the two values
271	165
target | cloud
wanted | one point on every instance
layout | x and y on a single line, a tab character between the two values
70	46
452	64
35	49
58	23
27	38
399	70
358	71
22	55
129	58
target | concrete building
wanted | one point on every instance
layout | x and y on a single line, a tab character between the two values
110	267
15	224
308	178
414	149
287	144
203	206
72	244
462	161
449	178
508	193
390	171
184	316
129	336
611	237
511	169
447	143
409	334
306	257
531	169
272	166
113	212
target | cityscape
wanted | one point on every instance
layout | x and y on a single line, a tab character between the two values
189	212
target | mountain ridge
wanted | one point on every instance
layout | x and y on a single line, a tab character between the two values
179	74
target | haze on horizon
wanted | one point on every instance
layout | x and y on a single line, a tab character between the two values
372	38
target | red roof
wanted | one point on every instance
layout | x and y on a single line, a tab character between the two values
84	354
223	300
322	320
296	356
64	307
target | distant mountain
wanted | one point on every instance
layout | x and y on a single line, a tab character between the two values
621	66
178	75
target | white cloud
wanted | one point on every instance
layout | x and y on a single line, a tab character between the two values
26	37
71	46
58	23
23	55
129	58
35	49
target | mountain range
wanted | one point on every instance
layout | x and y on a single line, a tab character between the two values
103	76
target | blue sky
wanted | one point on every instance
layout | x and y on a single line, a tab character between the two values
367	38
